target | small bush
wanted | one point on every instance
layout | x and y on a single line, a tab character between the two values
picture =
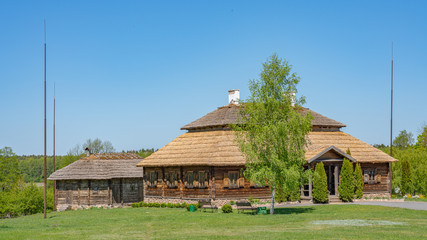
163	205
346	187
358	182
232	203
184	205
135	205
227	208
177	205
169	205
320	185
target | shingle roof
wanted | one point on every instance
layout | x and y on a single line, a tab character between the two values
218	148
228	114
101	166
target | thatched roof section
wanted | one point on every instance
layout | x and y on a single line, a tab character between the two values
218	148
228	114
101	166
360	150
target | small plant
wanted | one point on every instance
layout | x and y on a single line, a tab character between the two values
226	208
256	201
170	205
184	205
409	196
251	199
320	185
177	205
232	203
163	205
135	205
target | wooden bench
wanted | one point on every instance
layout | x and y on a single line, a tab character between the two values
245	205
207	204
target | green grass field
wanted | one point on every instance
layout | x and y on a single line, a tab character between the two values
364	222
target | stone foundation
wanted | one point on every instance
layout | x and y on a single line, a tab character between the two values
66	207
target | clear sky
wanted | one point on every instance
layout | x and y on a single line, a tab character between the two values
134	72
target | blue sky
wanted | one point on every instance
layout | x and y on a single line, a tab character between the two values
134	72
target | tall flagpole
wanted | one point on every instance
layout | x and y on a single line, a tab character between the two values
45	182
391	124
54	169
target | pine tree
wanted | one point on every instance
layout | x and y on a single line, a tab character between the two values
406	182
358	181
320	185
346	188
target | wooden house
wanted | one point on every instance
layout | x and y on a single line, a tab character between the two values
107	179
206	163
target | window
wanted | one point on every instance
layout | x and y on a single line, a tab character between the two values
189	180
203	179
370	176
95	190
172	179
152	179
234	178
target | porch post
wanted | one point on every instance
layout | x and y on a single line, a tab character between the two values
336	180
310	186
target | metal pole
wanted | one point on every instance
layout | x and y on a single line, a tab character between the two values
54	169
45	183
391	124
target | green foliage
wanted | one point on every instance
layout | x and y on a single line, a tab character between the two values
417	157
346	187
406	182
320	184
232	203
358	181
404	140
226	208
422	139
9	169
271	132
163	205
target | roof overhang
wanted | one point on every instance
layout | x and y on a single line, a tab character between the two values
318	156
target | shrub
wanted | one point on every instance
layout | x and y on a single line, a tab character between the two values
134	205
358	181
157	205
144	204
406	181
232	203
170	205
184	205
226	208
346	187
163	205
320	186
177	205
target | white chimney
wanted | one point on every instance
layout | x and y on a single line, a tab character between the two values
233	96
293	98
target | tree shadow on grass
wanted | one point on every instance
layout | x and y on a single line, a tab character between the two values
291	210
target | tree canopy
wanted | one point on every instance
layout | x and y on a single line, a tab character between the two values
404	139
272	132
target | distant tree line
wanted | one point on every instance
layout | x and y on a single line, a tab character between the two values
410	173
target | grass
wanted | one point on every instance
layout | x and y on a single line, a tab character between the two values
166	223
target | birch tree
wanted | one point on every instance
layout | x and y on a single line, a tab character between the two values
271	132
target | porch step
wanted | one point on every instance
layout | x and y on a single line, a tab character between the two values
334	199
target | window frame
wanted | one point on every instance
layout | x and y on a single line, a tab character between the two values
236	184
152	179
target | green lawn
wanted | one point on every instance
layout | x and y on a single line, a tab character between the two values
151	223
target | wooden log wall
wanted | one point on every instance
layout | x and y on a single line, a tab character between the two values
382	172
215	188
99	192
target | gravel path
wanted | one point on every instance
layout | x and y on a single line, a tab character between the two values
410	205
